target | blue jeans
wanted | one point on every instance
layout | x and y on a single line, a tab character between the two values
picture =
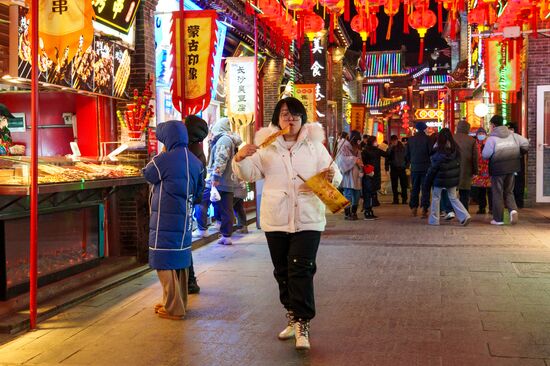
445	202
418	179
225	208
352	195
369	192
459	209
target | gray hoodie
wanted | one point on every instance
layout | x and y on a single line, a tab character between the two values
224	144
503	149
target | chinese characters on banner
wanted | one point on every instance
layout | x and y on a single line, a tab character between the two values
317	74
61	23
305	93
116	14
192	67
358	112
241	90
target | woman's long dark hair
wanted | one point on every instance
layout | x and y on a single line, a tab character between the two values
445	142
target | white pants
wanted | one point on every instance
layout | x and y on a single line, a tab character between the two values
461	213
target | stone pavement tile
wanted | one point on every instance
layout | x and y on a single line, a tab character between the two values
519	349
399	359
514	325
474	360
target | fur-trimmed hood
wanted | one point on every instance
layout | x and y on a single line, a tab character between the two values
312	131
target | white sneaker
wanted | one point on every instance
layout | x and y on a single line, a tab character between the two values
493	222
450	216
288	332
301	330
225	240
513	217
198	233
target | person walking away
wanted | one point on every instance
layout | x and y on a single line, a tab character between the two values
238	208
372	179
197	130
481	182
350	165
176	178
444	175
519	181
292	216
397	166
468	160
419	149
503	149
220	175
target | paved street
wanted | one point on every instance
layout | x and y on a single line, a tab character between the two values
390	292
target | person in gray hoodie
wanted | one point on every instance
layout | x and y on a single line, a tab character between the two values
503	149
220	175
468	161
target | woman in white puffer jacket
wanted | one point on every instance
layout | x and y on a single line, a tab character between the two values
291	216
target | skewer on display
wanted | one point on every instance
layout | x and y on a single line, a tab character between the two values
137	114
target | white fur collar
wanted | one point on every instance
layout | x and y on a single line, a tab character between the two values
313	131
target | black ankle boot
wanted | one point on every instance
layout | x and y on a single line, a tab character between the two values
354	212
347	213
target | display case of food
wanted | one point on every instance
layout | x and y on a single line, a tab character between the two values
56	173
74	196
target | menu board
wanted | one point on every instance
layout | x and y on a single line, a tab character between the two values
102	68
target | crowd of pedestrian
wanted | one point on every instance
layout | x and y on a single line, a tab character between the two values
446	171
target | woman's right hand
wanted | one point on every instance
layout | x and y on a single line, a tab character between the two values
245	151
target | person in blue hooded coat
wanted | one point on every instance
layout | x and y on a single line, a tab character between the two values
176	178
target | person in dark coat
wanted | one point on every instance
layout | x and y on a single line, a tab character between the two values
176	179
444	174
419	150
197	130
397	166
372	178
468	160
519	181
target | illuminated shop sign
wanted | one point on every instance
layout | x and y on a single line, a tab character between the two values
116	14
428	114
318	70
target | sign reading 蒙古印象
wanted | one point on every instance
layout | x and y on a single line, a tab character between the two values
193	41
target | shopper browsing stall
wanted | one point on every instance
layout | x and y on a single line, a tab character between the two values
292	217
176	179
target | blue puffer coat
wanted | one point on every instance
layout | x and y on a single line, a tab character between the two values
176	176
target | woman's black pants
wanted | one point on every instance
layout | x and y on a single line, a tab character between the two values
293	256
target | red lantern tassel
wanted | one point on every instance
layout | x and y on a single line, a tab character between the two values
534	22
346	10
439	16
406	18
390	23
421	51
331	28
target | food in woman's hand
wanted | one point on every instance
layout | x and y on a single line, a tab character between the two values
268	141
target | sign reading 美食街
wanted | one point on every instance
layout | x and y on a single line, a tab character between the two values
305	93
428	114
358	112
116	14
193	41
241	90
318	71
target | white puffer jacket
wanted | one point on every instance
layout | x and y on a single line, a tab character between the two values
287	204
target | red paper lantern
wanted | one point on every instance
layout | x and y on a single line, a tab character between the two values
299	5
422	20
313	24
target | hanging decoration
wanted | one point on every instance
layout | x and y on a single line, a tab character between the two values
502	67
61	24
391	8
192	66
240	82
422	20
